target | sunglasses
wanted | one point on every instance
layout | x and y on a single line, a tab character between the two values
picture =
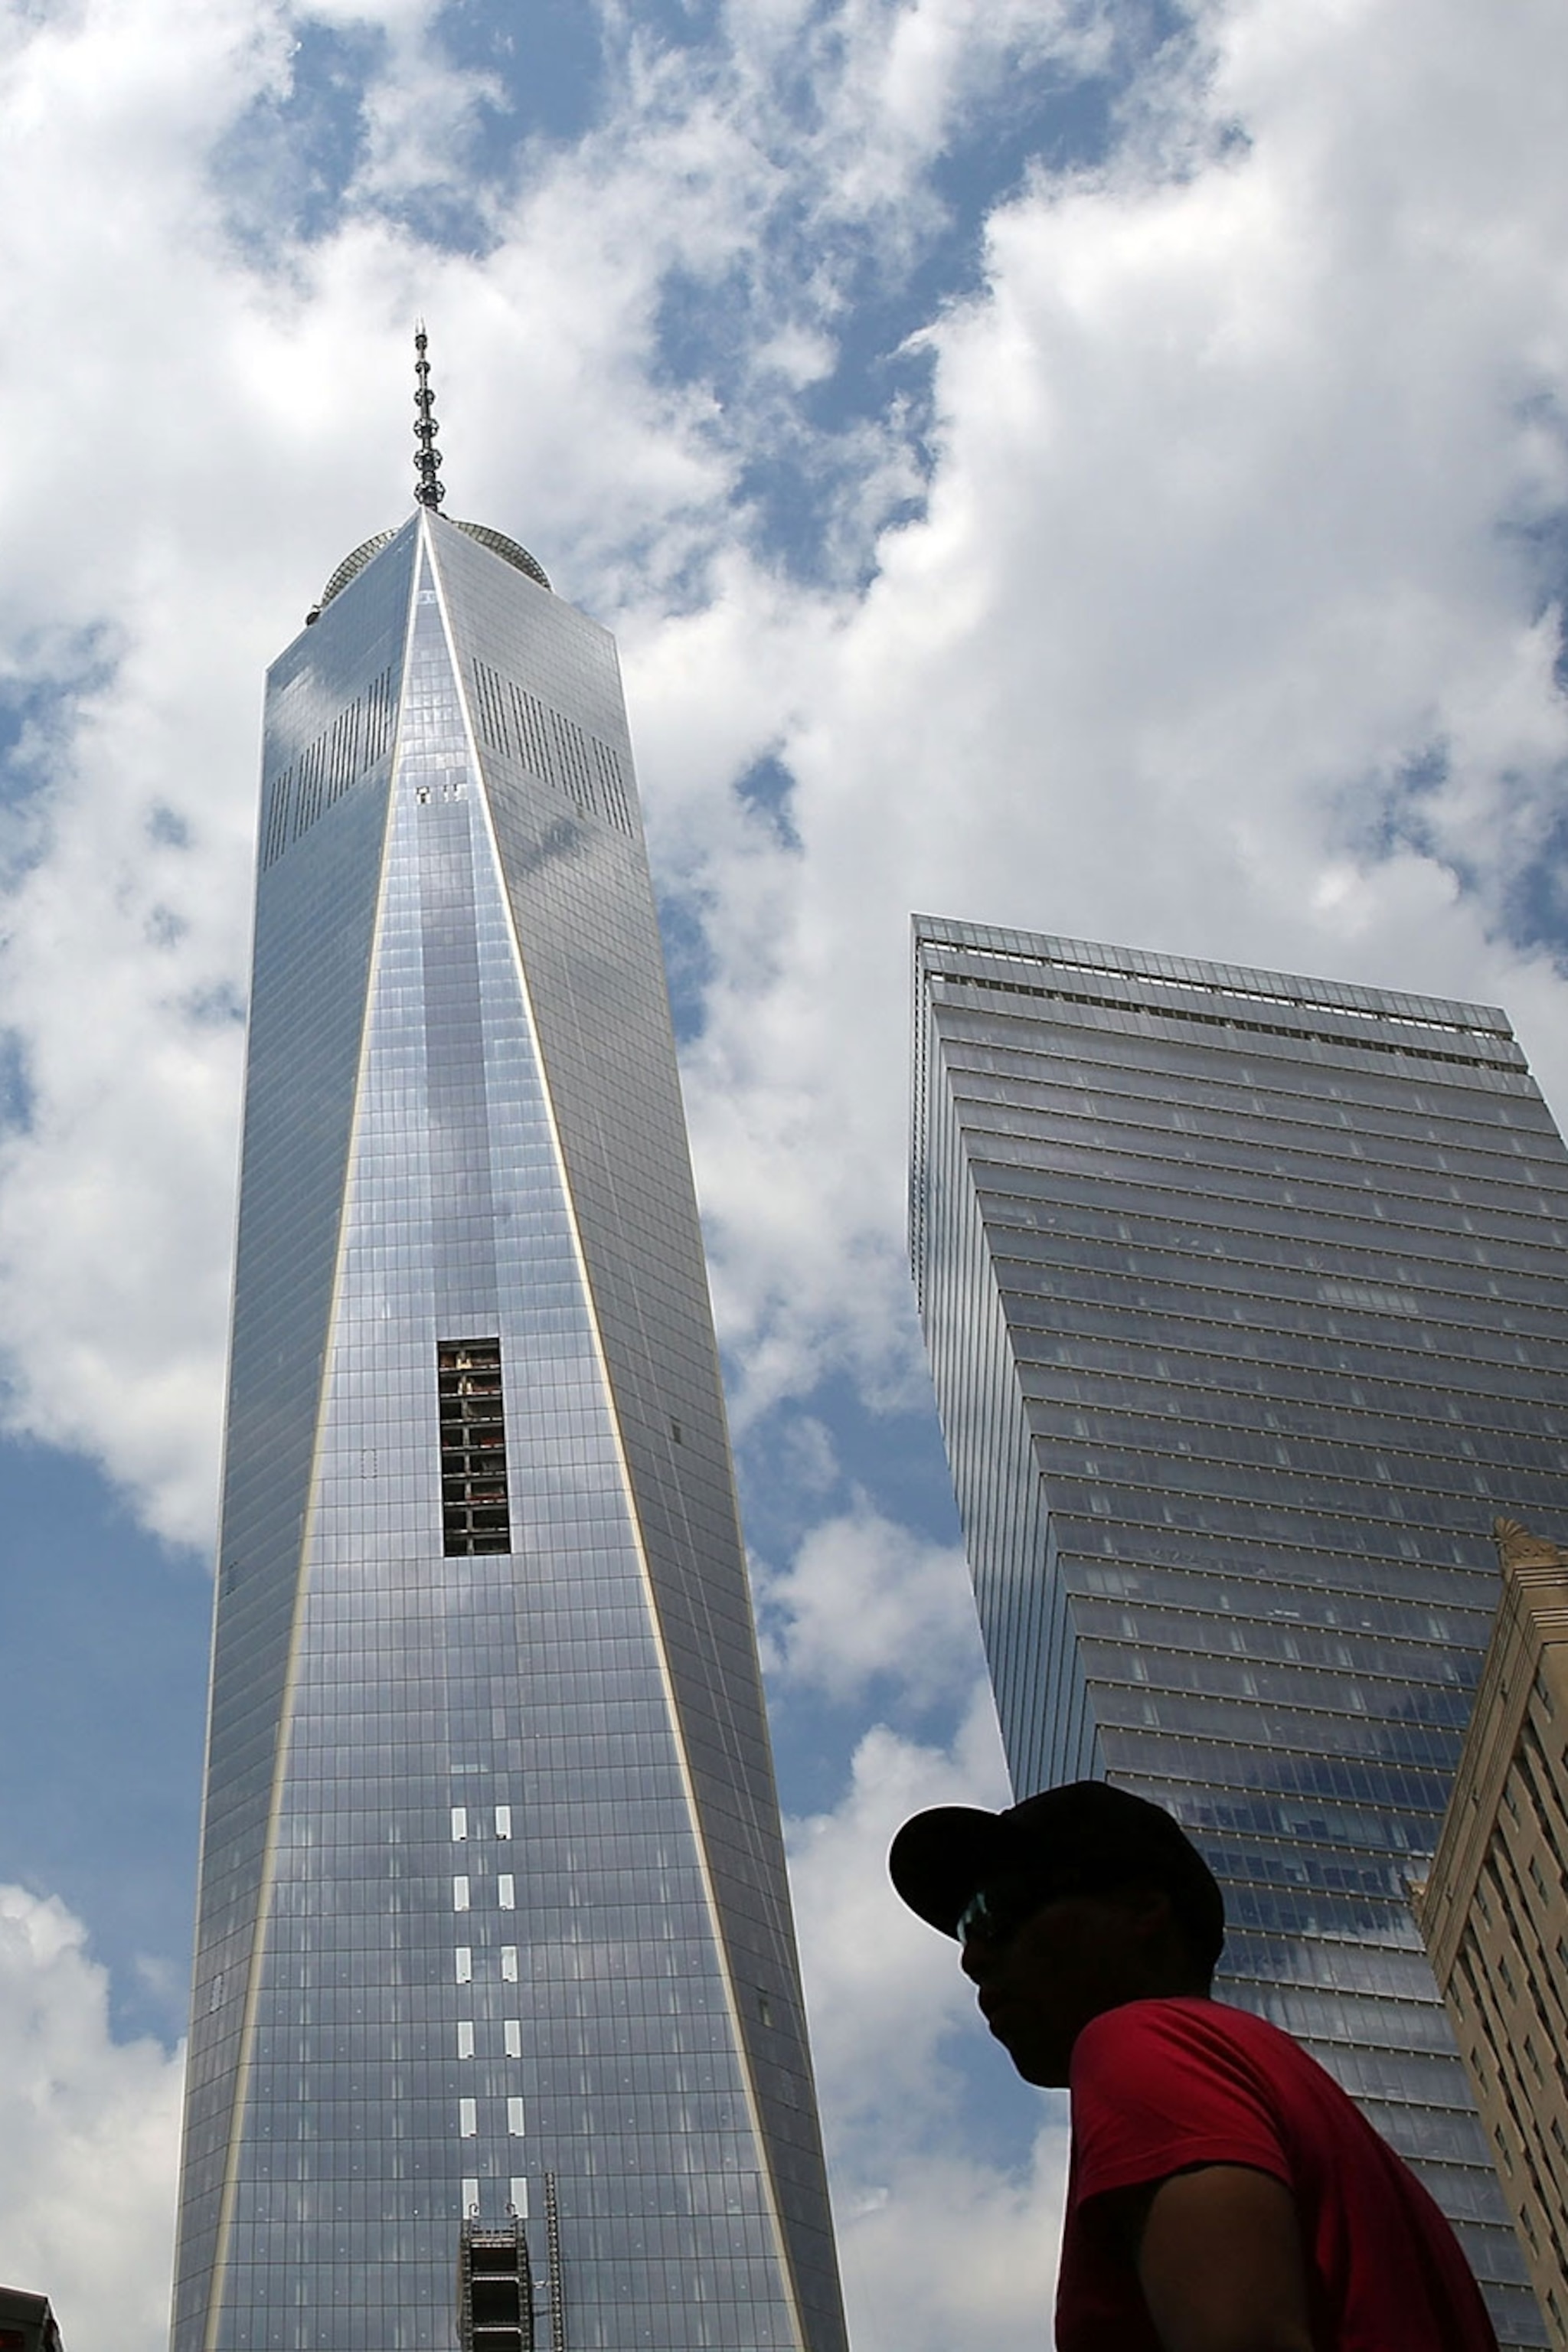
997	1911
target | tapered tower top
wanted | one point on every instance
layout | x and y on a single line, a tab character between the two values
428	492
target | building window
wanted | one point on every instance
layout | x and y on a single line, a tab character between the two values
474	1513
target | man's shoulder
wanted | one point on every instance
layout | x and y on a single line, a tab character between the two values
1185	2021
1195	2058
1162	2087
1191	2038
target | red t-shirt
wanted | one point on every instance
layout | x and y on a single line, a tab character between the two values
1159	2086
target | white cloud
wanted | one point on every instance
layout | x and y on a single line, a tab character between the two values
88	2140
951	2251
882	1988
867	1601
938	2245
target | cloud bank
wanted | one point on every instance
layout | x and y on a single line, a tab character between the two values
1189	576
89	2130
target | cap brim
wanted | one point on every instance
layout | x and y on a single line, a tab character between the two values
940	1859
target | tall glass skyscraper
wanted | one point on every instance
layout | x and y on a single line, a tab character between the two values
493	1928
1248	1307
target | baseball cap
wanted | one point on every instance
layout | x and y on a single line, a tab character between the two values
1087	1831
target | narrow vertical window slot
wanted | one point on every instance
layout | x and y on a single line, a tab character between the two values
475	1513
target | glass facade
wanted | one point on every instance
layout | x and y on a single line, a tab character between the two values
493	1921
1246	1300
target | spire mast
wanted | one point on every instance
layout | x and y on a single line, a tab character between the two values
428	491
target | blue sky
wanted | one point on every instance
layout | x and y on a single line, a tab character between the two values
1096	466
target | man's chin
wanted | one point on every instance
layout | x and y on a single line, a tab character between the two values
1045	2074
1040	2062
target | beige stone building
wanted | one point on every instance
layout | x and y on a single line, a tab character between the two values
1494	1907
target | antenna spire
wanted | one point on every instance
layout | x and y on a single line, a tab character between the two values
428	491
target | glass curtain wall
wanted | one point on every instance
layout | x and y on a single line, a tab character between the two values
1247	1304
493	1925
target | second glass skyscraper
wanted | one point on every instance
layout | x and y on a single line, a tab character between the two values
1248	1307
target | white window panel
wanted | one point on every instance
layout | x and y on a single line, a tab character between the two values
465	2037
465	1959
514	2117
508	1962
459	1821
459	1893
505	1892
503	1821
512	2037
467	2119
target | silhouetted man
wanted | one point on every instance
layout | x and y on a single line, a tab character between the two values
1225	2194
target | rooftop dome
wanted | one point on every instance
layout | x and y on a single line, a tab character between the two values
496	540
350	569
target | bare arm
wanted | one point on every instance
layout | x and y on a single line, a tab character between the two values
1220	2263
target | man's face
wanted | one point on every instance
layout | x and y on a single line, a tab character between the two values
1069	1958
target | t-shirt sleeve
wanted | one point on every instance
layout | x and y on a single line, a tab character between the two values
1153	2094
